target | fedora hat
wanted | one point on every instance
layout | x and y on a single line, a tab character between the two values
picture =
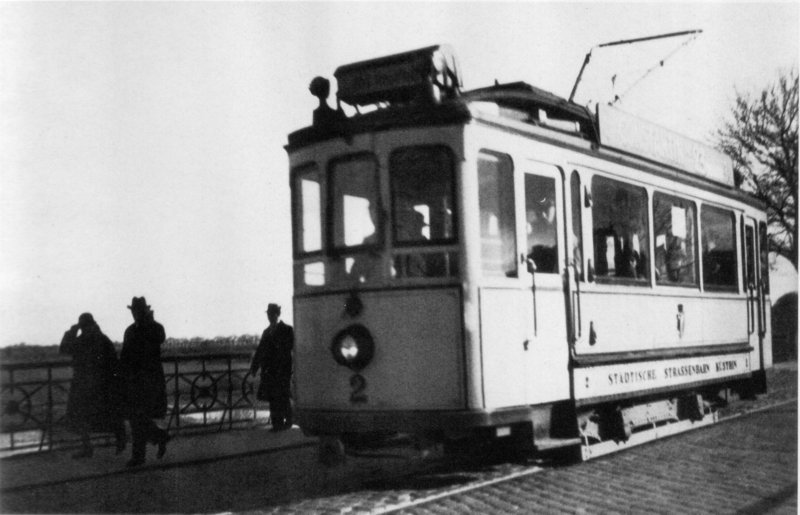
138	303
274	308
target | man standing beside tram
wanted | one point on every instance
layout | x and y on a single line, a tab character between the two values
274	358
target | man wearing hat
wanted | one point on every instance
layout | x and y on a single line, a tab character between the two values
274	358
146	389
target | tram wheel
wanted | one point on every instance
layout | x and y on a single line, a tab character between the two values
331	451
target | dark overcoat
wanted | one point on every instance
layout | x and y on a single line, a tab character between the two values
95	402
274	358
140	360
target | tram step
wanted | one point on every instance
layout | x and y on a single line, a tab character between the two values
547	444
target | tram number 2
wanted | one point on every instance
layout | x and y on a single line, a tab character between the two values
358	385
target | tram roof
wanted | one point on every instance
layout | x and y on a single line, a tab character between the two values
517	100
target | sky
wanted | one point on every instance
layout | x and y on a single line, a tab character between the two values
141	144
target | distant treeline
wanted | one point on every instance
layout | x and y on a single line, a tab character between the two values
23	352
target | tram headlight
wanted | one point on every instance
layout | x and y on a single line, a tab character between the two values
353	347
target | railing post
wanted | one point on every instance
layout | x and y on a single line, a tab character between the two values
176	403
50	405
230	392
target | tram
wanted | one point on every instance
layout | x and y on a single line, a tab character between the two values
504	264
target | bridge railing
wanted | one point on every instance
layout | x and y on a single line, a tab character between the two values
205	392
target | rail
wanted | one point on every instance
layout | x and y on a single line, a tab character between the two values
204	392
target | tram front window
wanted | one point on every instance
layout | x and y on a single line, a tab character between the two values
356	214
422	183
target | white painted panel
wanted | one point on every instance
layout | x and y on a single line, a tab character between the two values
629	322
503	333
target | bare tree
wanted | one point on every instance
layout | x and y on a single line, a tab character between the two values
761	138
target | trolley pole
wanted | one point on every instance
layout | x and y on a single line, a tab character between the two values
624	42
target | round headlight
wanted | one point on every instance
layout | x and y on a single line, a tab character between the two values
353	347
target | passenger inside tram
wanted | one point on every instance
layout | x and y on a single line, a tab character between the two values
411	228
366	266
541	216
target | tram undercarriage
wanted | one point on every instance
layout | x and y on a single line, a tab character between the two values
580	432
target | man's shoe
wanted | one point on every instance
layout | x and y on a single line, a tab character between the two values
162	446
135	462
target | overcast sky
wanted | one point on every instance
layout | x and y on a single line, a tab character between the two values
141	144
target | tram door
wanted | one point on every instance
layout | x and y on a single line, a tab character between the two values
755	322
547	352
522	321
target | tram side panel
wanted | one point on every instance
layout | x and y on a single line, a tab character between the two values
618	321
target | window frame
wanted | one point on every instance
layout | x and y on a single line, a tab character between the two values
512	173
448	152
296	195
696	243
331	249
647	279
736	252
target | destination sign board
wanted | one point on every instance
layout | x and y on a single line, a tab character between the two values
619	378
628	133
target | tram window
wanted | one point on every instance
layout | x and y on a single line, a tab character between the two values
764	255
307	216
577	222
675	236
719	248
422	194
540	212
620	229
354	186
498	222
749	256
355	214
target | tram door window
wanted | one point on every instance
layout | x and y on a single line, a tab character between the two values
540	211
422	181
577	222
750	257
620	229
675	236
355	215
764	256
498	223
718	228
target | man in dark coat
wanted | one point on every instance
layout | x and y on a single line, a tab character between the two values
274	358
95	398
145	385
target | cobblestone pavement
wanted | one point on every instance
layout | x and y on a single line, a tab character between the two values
748	463
745	465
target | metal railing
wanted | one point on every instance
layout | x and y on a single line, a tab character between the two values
204	392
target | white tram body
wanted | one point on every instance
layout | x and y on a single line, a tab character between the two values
506	263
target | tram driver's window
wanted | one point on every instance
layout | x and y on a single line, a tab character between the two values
498	223
422	182
540	211
675	236
355	212
620	230
307	216
718	228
